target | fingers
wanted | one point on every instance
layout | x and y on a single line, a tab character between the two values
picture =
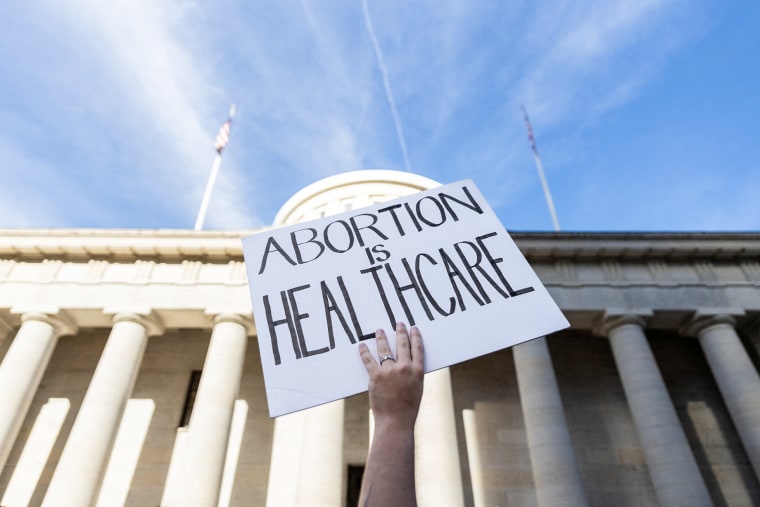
369	362
381	341
403	352
417	349
409	348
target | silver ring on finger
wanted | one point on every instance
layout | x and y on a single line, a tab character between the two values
386	357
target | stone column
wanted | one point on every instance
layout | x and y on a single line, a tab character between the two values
320	476
479	498
437	468
672	467
200	475
736	376
76	480
22	369
285	461
555	469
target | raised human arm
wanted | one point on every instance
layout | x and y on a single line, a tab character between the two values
395	392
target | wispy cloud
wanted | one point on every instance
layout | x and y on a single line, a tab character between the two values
386	84
118	102
579	58
144	50
133	102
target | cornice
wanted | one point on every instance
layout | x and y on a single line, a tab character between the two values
123	245
638	246
172	245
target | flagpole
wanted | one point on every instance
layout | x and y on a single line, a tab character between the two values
540	168
214	172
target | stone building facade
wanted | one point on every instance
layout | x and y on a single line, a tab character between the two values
130	375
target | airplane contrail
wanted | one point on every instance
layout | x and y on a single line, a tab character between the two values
387	83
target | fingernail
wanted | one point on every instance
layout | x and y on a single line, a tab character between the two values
399	325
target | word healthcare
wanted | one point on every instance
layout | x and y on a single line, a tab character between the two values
438	259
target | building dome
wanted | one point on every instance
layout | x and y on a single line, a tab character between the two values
347	191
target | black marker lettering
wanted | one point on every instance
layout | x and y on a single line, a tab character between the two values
441	212
332	307
392	210
400	289
381	253
274	323
455	274
473	205
380	290
297	318
297	244
475	265
352	312
349	235
414	218
423	285
494	264
370	226
270	246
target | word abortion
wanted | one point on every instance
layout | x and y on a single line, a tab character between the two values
468	268
393	221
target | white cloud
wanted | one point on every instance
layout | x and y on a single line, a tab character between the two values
142	48
585	58
133	91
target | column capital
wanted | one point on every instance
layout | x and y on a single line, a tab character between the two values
60	321
244	320
613	317
700	321
149	320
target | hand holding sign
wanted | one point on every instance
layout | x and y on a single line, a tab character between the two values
395	386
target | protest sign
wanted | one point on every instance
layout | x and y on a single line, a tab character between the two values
438	259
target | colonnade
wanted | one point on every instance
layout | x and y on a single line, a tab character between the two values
313	440
670	461
78	474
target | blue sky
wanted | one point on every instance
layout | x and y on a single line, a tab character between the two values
646	112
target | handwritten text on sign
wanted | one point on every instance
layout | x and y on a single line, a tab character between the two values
438	259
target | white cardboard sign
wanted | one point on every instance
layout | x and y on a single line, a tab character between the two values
439	259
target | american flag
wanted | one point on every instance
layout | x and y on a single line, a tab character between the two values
223	137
